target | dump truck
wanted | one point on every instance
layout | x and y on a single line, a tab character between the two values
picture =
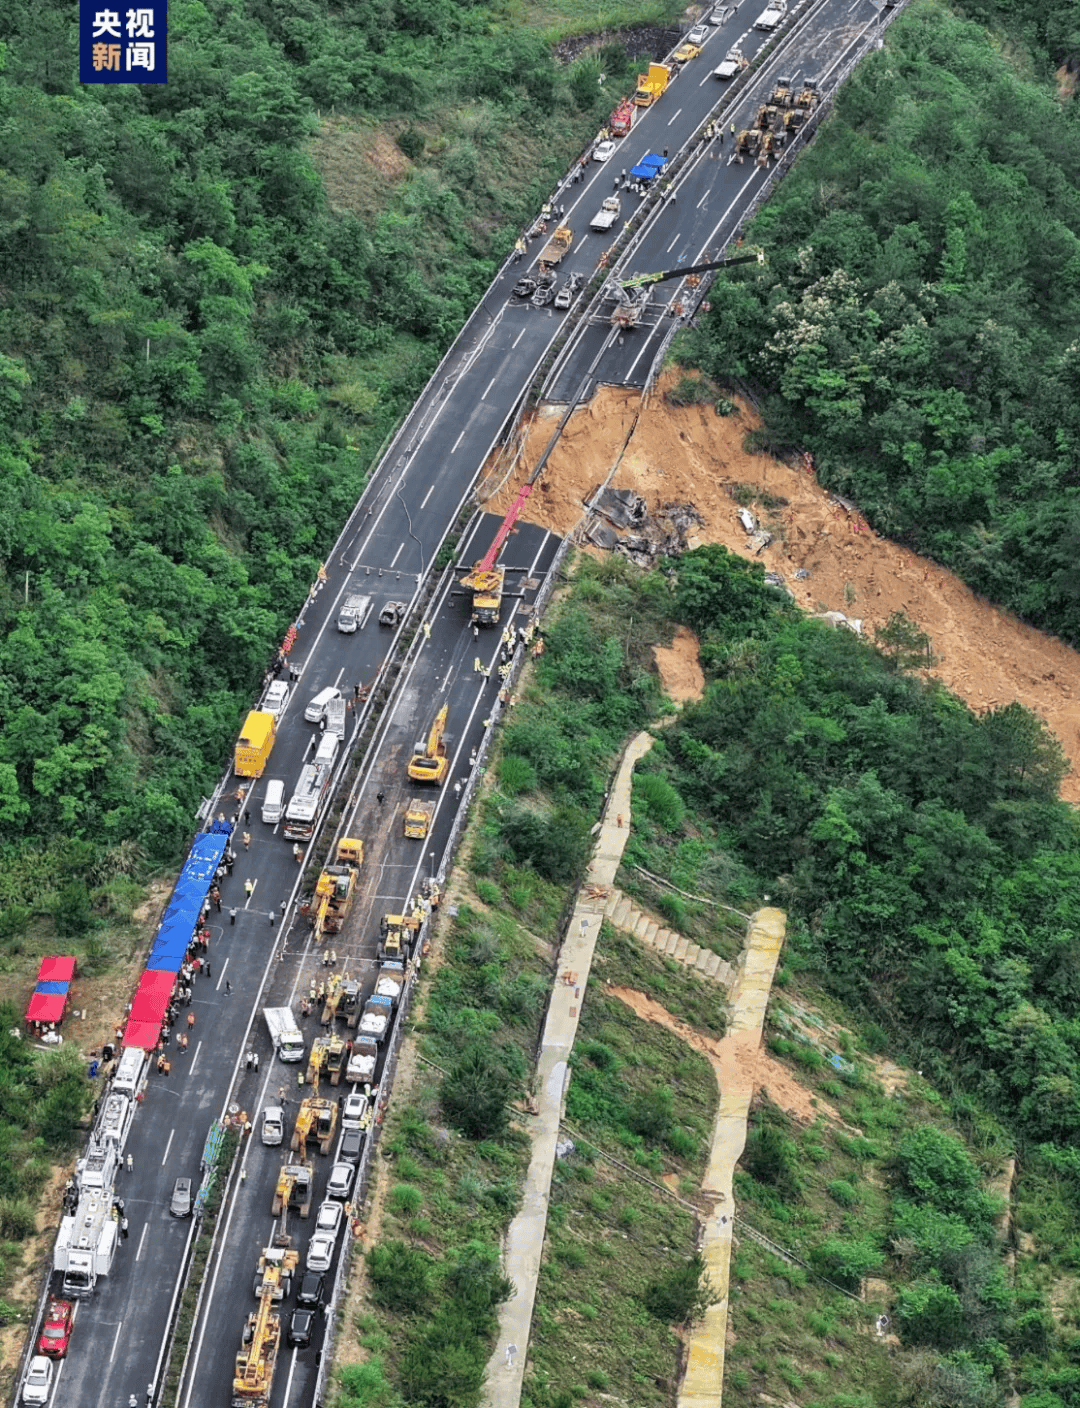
558	246
622	119
419	815
390	982
316	1123
362	1062
254	744
652	85
375	1021
429	762
352	615
293	1191
253	1375
396	934
607	215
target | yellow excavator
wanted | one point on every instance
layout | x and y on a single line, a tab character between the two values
335	889
429	762
327	1056
316	1119
293	1191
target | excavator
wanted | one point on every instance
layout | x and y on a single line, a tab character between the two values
317	1117
292	1194
429	762
335	889
633	294
396	934
327	1055
335	991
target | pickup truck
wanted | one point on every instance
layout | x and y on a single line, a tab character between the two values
772	17
733	62
353	613
607	215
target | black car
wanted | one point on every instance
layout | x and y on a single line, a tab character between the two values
301	1325
312	1289
352	1141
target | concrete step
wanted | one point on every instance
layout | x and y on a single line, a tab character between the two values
641	925
671	943
651	933
690	957
612	902
712	963
623	911
702	960
723	973
680	950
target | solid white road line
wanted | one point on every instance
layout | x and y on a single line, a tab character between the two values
116	1340
142	1241
493	380
457	442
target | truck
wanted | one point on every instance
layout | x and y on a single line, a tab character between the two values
254	744
86	1243
607	215
622	119
114	1119
130	1070
390	982
353	613
419	815
733	62
285	1036
335	719
652	85
253	1374
375	1021
558	246
306	803
362	1062
772	17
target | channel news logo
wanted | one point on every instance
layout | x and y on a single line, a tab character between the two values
123	46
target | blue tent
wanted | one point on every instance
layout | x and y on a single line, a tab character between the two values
643	173
179	920
653	160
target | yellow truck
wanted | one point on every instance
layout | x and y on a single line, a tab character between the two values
652	85
418	816
254	744
557	246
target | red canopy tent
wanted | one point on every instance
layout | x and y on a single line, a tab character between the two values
56	970
46	1007
144	1034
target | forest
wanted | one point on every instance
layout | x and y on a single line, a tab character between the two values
916	325
199	361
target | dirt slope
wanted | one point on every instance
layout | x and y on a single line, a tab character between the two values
692	455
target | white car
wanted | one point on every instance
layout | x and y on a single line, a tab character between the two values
718	16
339	1184
38	1382
353	1110
328	1218
697	35
320	1252
603	150
275	698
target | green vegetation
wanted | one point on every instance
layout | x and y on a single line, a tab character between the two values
221	295
915	326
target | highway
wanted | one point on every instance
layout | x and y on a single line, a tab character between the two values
386	549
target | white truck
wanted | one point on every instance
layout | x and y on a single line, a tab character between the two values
772	17
353	613
335	719
285	1035
86	1243
114	1119
375	1019
361	1067
130	1070
607	215
391	982
307	802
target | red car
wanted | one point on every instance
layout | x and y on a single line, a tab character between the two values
56	1332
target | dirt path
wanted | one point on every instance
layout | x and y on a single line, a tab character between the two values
691	455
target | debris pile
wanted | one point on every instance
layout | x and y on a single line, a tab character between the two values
669	532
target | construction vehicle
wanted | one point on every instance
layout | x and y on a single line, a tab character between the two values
254	744
350	1004
783	94
419	815
390	982
332	1001
86	1243
429	762
353	614
293	1191
316	1123
396	934
275	1270
327	1055
336	888
558	246
773	16
607	215
307	802
362	1062
652	85
253	1374
632	295
809	96
376	1017
622	119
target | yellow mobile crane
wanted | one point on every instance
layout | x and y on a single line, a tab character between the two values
429	762
255	1364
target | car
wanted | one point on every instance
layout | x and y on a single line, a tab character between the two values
339	1184
352	1141
312	1289
564	297
320	1252
56	1331
38	1382
603	150
543	296
301	1324
273	1126
391	613
719	15
698	35
328	1218
354	1110
685	52
180	1202
275	698
525	287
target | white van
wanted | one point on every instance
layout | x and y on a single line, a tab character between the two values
274	801
327	749
275	698
317	708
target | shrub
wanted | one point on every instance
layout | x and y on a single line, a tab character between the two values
516	775
682	1295
400	1276
930	1314
411	142
476	1093
661	802
840	1191
488	892
938	1170
405	1200
846	1260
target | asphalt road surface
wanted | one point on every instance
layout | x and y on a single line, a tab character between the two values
386	550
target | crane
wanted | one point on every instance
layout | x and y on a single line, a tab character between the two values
633	294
